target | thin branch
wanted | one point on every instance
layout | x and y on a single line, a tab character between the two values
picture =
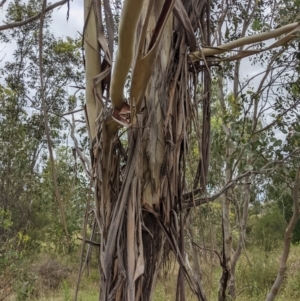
85	163
72	112
256	102
2	2
276	120
189	202
37	16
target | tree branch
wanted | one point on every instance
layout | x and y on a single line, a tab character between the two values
37	16
85	163
276	120
190	202
127	40
2	3
289	30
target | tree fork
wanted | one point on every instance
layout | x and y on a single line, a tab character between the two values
131	189
132	241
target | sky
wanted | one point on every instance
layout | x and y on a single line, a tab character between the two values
61	27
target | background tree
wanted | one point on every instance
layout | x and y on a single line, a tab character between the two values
25	197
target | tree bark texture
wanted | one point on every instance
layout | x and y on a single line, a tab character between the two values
138	191
139	173
242	239
226	233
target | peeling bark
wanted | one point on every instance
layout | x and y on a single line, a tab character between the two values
134	211
138	194
92	64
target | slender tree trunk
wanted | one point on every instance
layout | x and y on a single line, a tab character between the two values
287	241
242	239
196	271
226	234
47	130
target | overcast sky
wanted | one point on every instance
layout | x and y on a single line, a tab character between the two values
61	27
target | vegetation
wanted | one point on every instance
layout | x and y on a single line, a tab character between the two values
172	173
255	274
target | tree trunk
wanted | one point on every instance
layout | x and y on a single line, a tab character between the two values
139	192
226	234
242	239
287	240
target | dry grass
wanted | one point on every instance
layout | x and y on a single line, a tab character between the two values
56	279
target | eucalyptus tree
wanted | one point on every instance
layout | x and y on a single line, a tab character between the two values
139	203
16	172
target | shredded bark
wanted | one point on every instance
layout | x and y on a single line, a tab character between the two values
139	207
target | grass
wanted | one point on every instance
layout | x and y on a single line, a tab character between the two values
253	280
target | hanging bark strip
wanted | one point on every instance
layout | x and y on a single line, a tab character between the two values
137	193
151	173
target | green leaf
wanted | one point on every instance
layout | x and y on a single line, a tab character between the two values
256	25
255	144
277	143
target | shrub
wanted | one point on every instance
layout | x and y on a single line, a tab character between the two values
52	273
24	286
268	231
